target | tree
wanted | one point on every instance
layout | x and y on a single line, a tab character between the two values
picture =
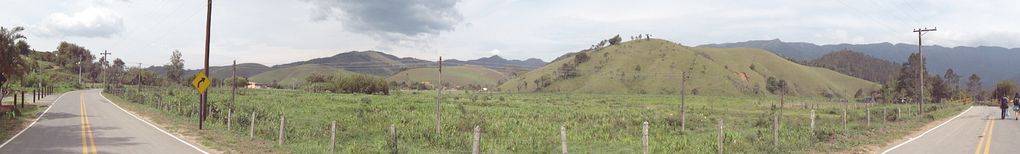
952	81
775	86
23	47
1005	88
908	81
116	70
69	55
974	86
175	69
939	89
10	58
615	40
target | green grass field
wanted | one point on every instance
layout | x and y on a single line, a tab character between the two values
529	123
456	76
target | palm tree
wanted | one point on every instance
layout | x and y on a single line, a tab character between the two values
10	59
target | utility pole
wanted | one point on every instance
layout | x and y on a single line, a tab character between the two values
106	76
204	96
139	77
233	84
439	96
79	71
920	32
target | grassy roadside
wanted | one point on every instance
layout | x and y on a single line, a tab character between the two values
215	140
9	126
528	123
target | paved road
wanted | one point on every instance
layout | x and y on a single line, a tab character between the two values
85	122
978	130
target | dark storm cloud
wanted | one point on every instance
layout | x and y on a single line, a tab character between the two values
391	19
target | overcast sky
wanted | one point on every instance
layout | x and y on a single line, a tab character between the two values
274	32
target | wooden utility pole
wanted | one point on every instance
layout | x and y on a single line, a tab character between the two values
233	84
139	77
683	105
439	96
204	96
106	76
920	32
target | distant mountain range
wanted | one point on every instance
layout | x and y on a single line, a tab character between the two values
365	62
990	63
382	64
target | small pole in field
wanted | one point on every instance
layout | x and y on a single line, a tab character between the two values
884	114
644	138
251	132
845	105
812	122
230	113
721	137
283	125
775	131
563	139
332	138
867	110
439	97
477	141
393	139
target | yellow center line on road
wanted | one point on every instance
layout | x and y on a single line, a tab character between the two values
986	137
86	128
84	138
988	142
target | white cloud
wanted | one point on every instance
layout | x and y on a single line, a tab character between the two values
90	22
494	52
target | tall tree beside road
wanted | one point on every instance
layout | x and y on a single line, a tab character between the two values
974	87
908	81
175	69
116	71
10	56
1005	88
952	82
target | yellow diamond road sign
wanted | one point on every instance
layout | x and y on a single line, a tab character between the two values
201	82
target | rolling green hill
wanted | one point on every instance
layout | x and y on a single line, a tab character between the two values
656	66
455	76
243	70
290	76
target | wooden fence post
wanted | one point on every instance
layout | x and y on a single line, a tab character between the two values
563	139
251	132
393	139
230	113
332	136
283	125
775	131
644	138
477	141
812	122
884	114
867	111
845	105
898	111
721	137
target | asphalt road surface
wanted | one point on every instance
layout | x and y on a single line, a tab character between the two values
86	122
978	130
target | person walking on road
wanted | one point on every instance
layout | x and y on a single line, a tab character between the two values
1016	106
1003	104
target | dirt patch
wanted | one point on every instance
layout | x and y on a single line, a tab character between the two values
12	126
